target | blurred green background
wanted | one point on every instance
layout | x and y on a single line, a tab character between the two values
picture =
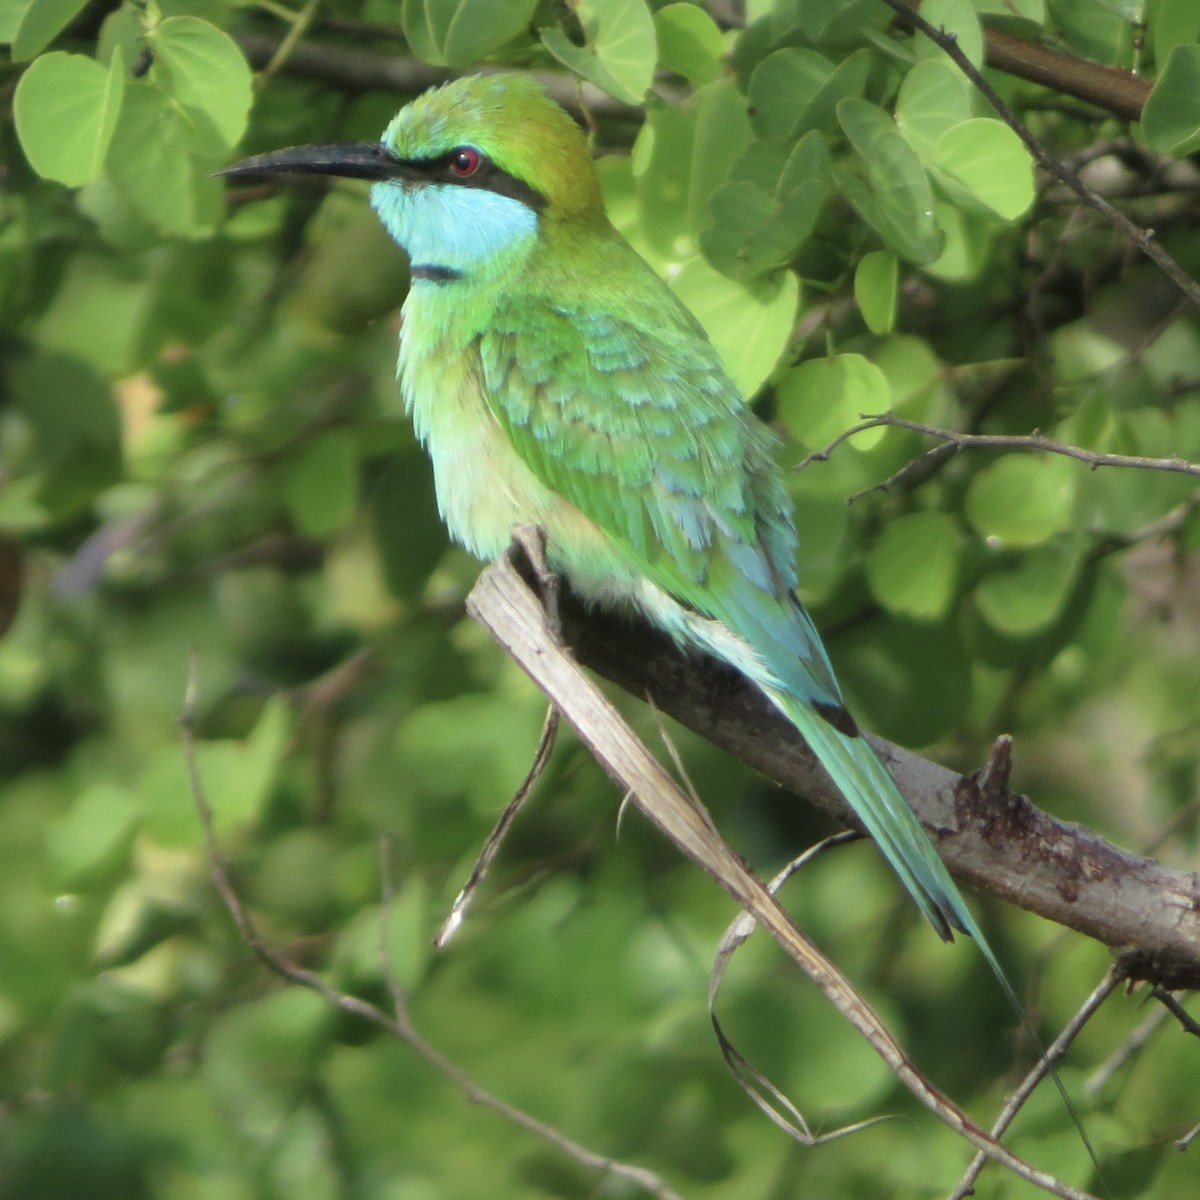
203	451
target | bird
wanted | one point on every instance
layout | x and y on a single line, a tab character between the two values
556	380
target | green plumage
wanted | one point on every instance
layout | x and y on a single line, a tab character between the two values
556	379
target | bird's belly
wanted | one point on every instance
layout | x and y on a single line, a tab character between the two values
484	489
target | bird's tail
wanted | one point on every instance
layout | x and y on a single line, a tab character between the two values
872	793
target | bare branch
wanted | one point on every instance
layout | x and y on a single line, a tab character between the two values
398	1025
504	604
1143	239
353	69
1045	1063
541	757
1146	912
952	442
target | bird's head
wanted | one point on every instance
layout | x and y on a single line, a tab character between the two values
465	175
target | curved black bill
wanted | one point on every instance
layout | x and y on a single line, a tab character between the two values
348	160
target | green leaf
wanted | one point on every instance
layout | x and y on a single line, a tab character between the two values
888	186
41	22
689	43
480	27
983	164
1173	23
321	488
86	843
1023	597
913	567
426	23
1022	499
957	17
753	232
1171	116
875	284
934	97
782	86
722	133
409	536
208	75
849	80
750	328
66	108
822	398
620	52
149	162
11	13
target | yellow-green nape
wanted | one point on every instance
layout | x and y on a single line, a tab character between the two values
509	118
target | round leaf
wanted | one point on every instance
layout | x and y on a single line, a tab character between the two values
984	159
321	489
750	328
1022	500
621	51
1022	598
1171	116
66	108
875	282
913	567
824	397
208	74
689	42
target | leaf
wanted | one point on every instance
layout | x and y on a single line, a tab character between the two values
875	284
426	23
782	87
722	133
66	108
1171	116
620	52
1173	23
480	27
913	567
41	22
1022	499
208	75
87	842
1023	597
983	163
753	232
321	488
959	18
888	186
148	160
689	43
934	97
749	327
822	398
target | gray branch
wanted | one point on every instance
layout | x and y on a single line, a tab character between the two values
1146	912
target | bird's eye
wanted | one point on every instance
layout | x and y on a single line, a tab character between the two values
464	161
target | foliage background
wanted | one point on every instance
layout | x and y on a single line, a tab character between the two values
202	449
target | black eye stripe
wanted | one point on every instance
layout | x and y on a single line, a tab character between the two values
487	177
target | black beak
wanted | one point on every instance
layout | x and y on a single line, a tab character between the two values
350	160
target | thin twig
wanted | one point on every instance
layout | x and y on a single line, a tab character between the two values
1132	1045
503	603
1044	1064
953	441
1143	239
400	1024
458	910
1171	1003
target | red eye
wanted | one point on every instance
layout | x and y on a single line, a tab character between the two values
464	161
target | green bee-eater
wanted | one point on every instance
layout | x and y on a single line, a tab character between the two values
555	379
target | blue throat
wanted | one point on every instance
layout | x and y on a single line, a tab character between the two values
450	231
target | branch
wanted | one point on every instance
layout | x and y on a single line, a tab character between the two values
350	69
952	441
1143	239
1148	913
399	1023
504	604
1119	91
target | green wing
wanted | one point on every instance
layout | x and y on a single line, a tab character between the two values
641	429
